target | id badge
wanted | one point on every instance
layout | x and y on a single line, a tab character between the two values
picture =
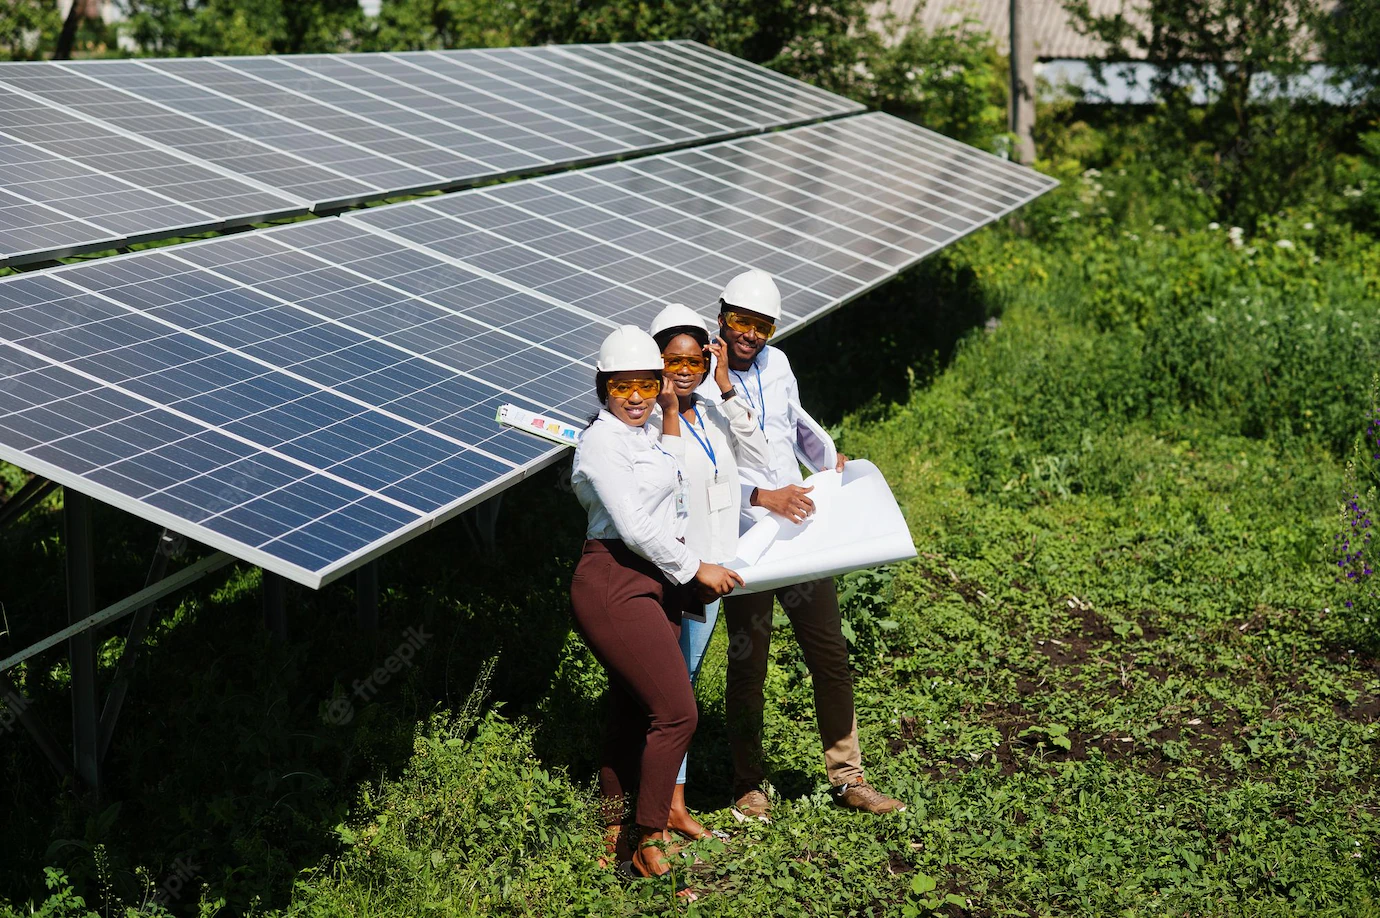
721	496
682	497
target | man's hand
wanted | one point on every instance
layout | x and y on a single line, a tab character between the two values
718	350
842	460
789	502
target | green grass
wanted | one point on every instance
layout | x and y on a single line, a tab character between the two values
1117	680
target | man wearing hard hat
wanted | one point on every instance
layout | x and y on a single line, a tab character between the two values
749	308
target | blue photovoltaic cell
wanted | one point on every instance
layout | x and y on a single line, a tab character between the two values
812	205
140	148
306	396
69	184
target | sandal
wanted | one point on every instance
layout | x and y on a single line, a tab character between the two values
631	870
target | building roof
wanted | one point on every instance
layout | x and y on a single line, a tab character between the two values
1054	34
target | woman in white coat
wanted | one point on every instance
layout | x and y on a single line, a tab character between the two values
717	440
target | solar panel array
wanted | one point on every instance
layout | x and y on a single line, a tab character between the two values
307	397
102	153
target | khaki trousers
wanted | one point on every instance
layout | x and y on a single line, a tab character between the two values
813	609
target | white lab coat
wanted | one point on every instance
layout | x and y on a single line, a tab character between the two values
731	432
631	482
770	388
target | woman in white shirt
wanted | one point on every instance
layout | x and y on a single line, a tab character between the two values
717	439
631	586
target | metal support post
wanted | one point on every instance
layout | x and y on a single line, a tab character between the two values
275	605
367	596
81	647
485	521
169	543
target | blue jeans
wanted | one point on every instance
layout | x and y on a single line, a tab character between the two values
694	641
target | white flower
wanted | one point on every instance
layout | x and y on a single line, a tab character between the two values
1073	215
1159	227
1214	226
1237	236
1212	320
1308	225
1352	192
1284	243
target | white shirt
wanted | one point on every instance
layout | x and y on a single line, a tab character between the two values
629	481
770	389
730	432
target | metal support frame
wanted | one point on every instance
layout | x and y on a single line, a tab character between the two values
168	544
275	605
33	491
92	732
20	708
484	519
81	646
367	596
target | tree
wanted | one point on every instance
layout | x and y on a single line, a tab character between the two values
948	80
67	38
27	27
206	27
1226	74
1352	42
416	25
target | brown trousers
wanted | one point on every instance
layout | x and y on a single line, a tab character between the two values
813	609
629	615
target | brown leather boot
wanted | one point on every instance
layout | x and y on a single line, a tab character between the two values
752	805
863	796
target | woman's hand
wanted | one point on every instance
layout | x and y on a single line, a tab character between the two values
718	349
717	579
666	398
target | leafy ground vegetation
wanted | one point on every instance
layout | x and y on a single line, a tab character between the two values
1119	679
1125	676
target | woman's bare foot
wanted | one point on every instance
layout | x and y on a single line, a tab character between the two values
615	846
680	819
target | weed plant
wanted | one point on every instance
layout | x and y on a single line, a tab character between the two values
1120	678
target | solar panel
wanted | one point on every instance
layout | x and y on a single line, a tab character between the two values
306	397
817	206
69	183
291	133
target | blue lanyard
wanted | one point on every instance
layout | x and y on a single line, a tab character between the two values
676	465
704	443
762	399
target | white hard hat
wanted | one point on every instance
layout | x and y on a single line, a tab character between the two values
629	348
755	291
676	315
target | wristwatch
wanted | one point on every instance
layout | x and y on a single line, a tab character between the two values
725	396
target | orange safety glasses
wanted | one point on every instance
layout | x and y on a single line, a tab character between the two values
624	388
693	364
743	324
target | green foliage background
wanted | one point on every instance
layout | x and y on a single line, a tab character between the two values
1119	679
